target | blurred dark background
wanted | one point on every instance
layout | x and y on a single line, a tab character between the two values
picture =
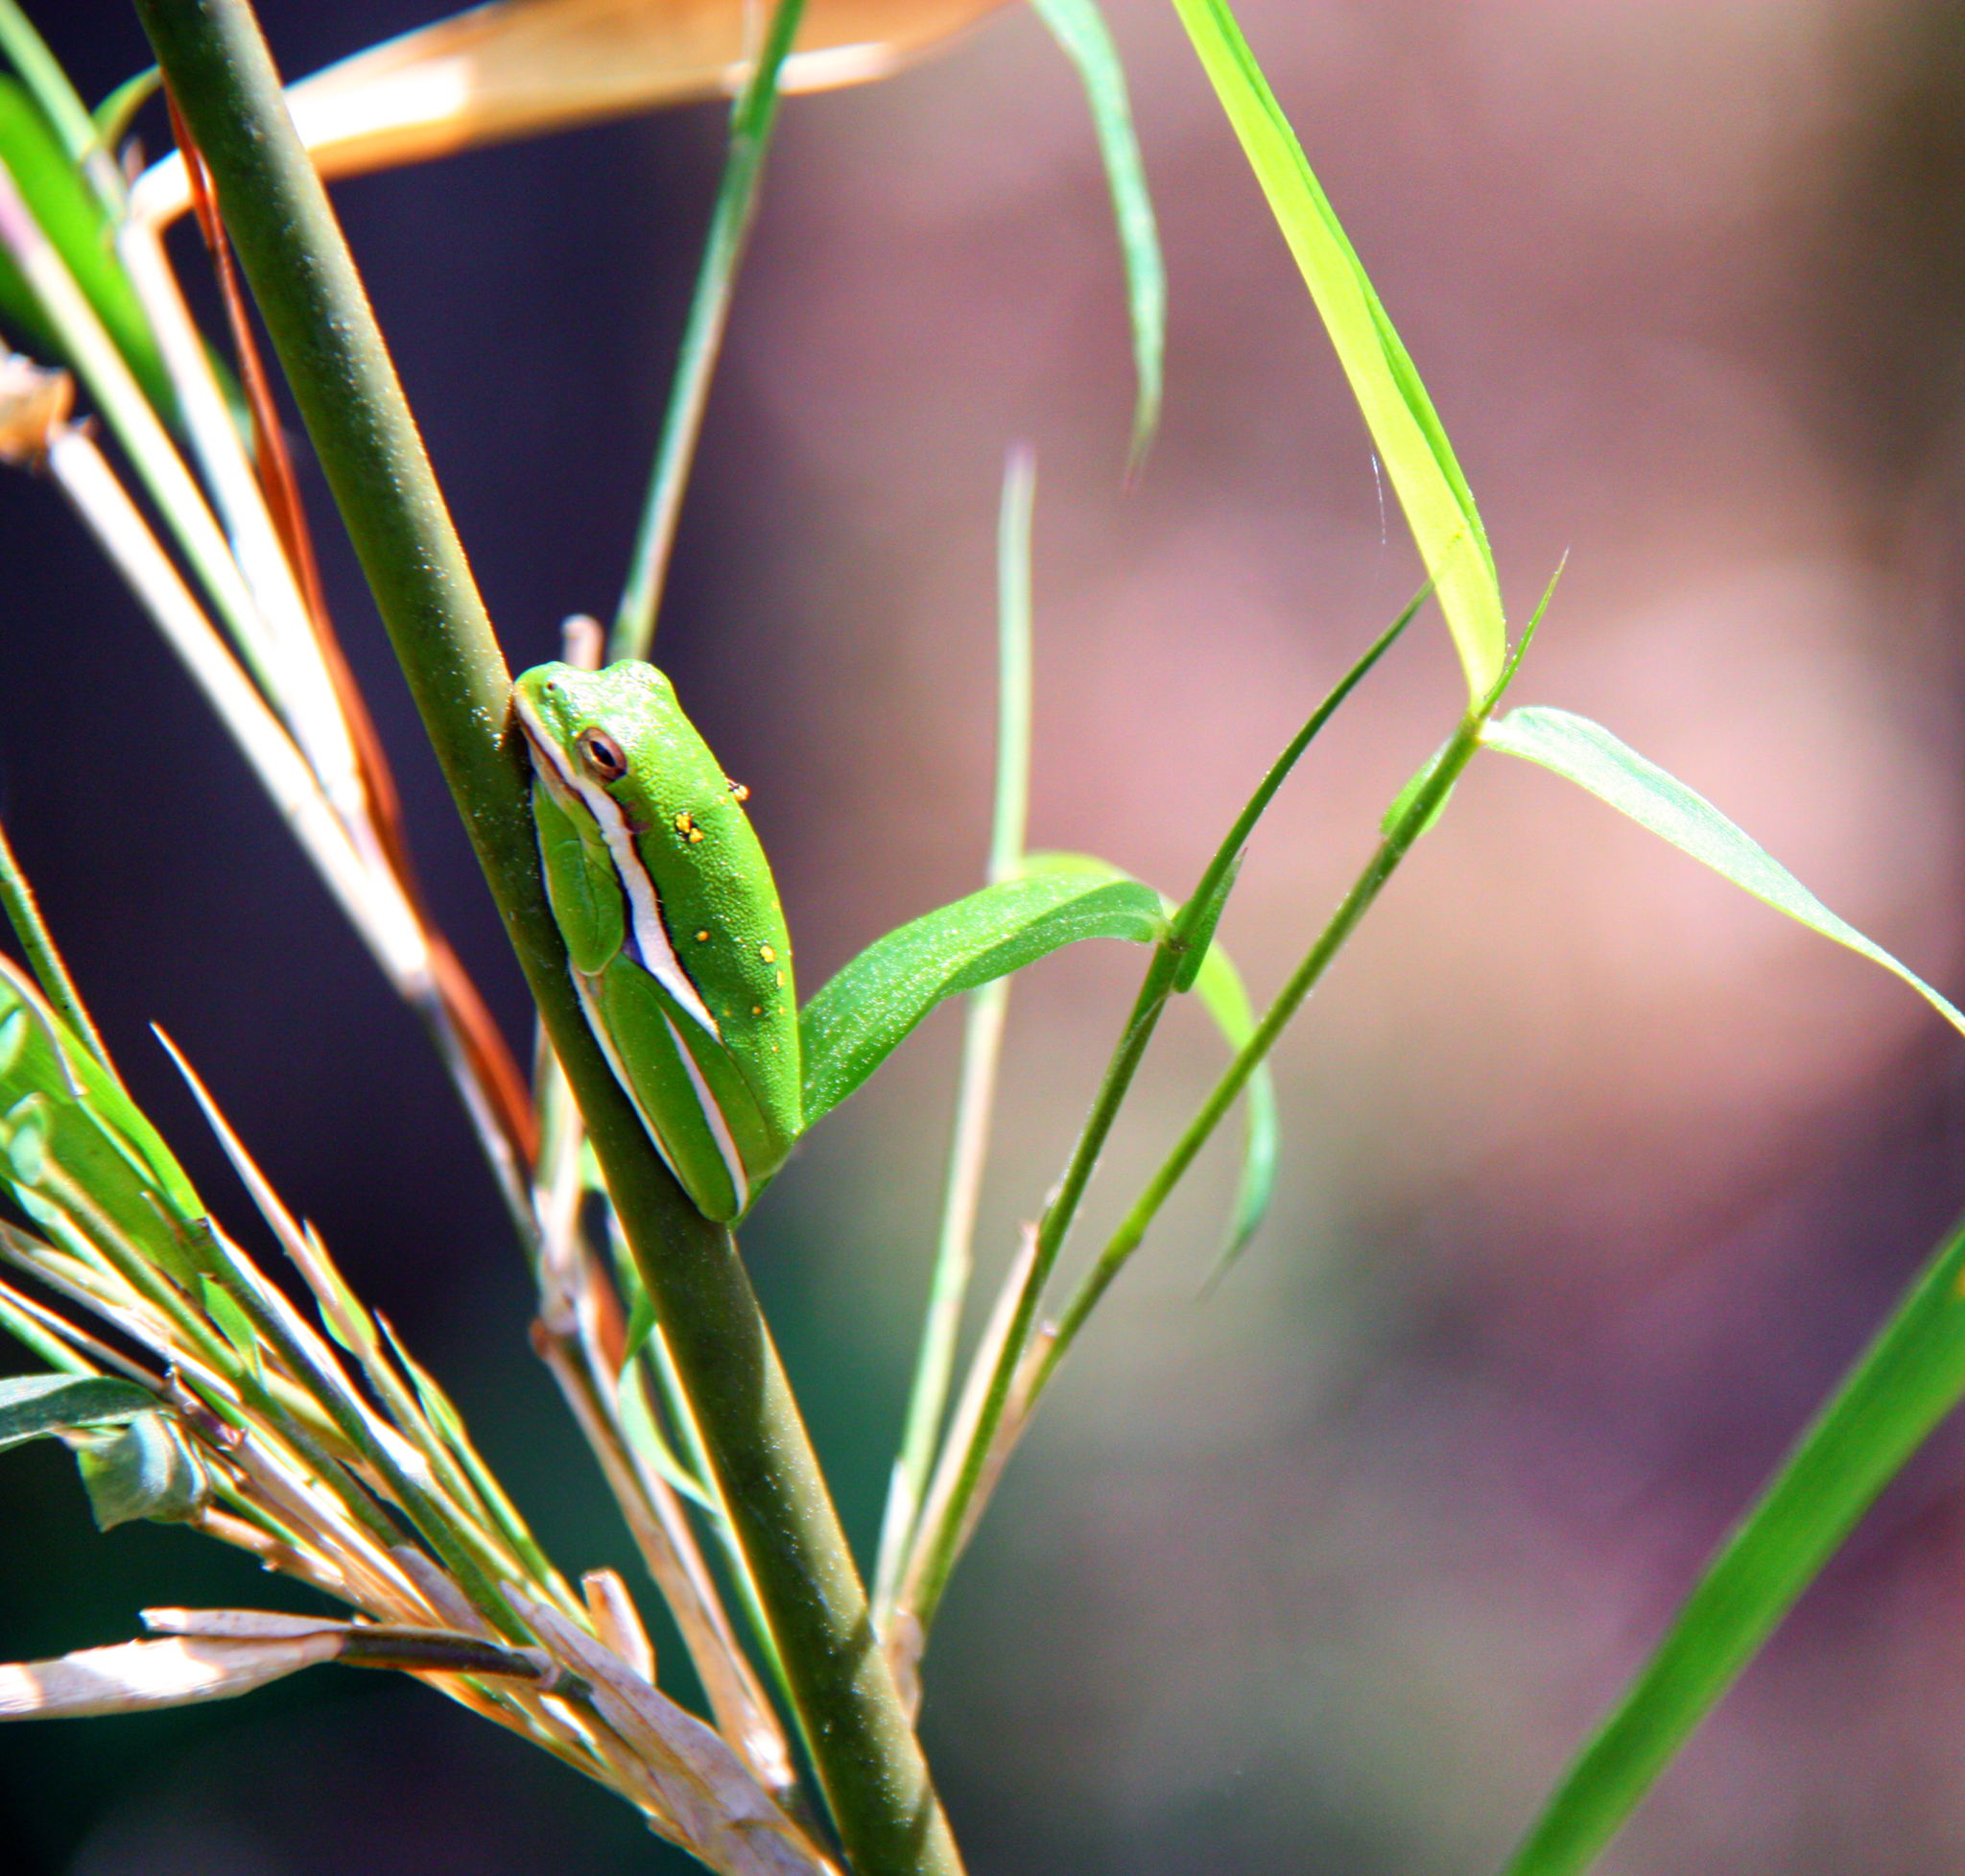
1596	1173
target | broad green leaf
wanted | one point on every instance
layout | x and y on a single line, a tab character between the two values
1439	506
75	222
1911	1375
1593	758
35	1405
1079	28
142	1470
1215	981
857	1019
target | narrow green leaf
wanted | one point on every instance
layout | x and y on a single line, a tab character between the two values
142	1470
1911	1375
1203	933
1403	800
857	1019
1439	506
115	114
1593	758
26	52
1218	984
1079	28
71	218
234	1325
35	1405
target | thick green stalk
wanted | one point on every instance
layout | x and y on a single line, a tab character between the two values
311	297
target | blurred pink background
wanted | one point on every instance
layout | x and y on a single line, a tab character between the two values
1595	1171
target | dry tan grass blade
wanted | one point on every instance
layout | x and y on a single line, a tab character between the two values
518	67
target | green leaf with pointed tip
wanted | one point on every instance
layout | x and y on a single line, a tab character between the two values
857	1019
1079	28
1911	1375
1203	935
36	1406
228	1316
65	1127
1403	800
75	222
142	1470
1593	758
1411	439
1218	983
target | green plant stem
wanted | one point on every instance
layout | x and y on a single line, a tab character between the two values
982	1043
944	1544
24	913
311	297
1424	803
752	121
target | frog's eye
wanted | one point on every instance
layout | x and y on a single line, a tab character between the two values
602	753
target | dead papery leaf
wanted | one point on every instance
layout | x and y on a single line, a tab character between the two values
34	400
135	1677
711	1803
520	67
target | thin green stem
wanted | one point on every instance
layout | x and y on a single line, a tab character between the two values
24	913
311	297
752	121
944	1544
982	1046
1424	804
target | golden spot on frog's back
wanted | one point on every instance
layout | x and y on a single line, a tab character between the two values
764	952
702	937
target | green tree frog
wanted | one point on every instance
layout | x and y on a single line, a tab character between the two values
671	924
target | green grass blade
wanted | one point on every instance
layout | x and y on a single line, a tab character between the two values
1079	28
67	116
751	122
76	223
1588	755
1911	1375
948	1285
1439	506
1218	985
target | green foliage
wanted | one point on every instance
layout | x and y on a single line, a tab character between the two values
1439	506
863	1015
76	222
1080	29
41	1406
1593	758
1911	1375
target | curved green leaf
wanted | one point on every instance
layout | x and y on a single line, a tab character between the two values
1439	506
1215	980
1218	985
1079	28
36	1405
1593	758
857	1019
1911	1375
